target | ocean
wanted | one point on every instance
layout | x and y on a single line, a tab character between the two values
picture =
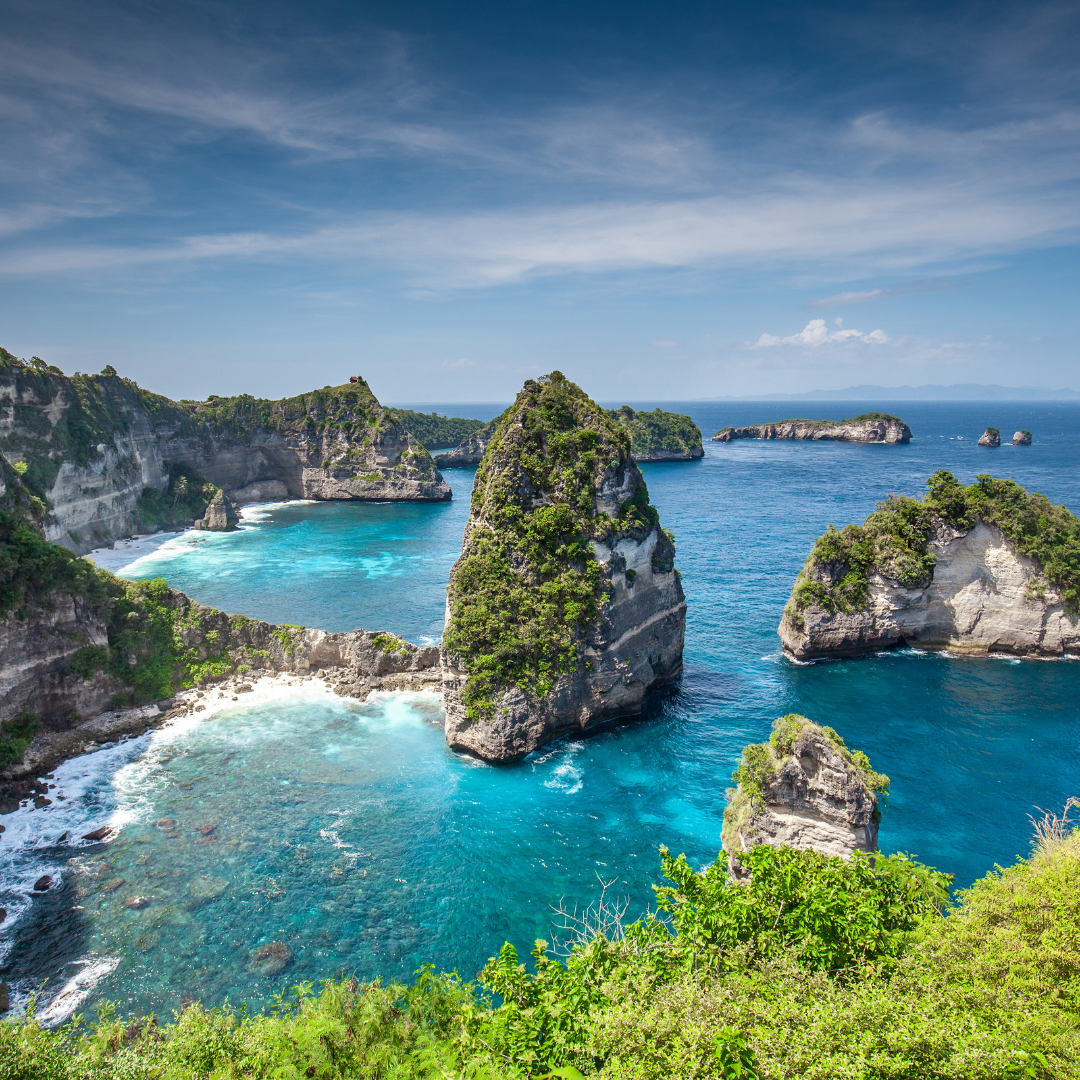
348	831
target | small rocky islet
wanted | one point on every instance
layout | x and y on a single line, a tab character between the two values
873	427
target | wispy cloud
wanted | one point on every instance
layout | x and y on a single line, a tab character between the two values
816	333
846	298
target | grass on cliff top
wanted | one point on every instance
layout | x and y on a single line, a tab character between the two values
761	762
655	431
527	587
894	542
816	969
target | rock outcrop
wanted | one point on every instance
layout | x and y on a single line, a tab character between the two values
990	437
106	454
1021	438
803	789
565	606
983	569
220	516
659	435
868	428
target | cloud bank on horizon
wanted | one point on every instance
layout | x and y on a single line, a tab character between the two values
260	197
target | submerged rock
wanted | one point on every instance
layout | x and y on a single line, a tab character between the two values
979	569
803	789
868	428
272	958
42	884
990	437
1021	438
565	606
220	516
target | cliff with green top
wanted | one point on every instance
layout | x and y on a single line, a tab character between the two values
565	606
109	458
659	435
873	427
975	569
803	789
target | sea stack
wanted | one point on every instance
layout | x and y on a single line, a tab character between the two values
220	516
868	428
1021	438
803	789
990	437
981	569
565	606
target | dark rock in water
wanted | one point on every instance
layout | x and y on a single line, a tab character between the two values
803	789
98	834
271	958
112	886
5	998
61	838
990	437
559	509
136	902
220	516
1021	437
42	883
165	824
207	830
3	914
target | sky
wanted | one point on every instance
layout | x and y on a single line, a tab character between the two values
664	201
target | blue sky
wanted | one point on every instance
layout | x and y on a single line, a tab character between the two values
663	201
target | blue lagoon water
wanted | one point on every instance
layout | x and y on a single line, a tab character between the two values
348	832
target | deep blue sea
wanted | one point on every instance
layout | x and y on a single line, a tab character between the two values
351	834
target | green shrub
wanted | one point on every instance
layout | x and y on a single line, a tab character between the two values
432	430
16	735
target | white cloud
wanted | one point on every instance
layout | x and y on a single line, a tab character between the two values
458	365
817	333
665	344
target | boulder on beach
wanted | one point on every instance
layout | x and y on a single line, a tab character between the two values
220	516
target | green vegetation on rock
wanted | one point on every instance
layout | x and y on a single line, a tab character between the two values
432	430
185	499
16	735
657	432
761	762
894	542
527	587
816	968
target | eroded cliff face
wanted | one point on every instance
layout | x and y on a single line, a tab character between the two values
804	790
470	451
92	445
565	606
984	597
869	429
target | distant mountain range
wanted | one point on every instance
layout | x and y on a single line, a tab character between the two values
930	392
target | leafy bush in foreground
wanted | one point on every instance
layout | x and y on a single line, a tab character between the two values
817	969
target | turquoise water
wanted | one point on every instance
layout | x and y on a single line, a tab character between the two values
350	834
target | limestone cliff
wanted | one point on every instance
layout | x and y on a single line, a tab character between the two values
565	606
220	516
470	451
803	789
868	428
980	569
107	456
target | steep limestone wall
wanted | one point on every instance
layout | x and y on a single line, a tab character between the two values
565	606
985	569
805	790
871	428
93	444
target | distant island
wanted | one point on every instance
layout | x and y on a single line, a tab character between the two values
927	392
871	427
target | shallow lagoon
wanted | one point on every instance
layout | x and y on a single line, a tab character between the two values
350	833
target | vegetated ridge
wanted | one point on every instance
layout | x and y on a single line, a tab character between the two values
976	569
873	427
565	605
110	459
817	967
654	436
432	430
